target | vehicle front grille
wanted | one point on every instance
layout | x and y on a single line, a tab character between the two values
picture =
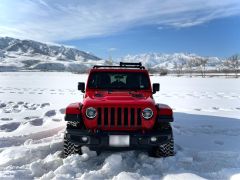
119	117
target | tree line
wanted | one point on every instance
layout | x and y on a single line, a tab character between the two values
199	65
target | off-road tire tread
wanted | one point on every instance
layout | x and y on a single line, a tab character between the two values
70	148
72	124
166	149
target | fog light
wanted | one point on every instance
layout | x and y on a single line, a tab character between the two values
153	139
84	139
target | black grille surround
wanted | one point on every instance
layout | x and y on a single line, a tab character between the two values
119	117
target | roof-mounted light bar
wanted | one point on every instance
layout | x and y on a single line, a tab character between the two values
123	65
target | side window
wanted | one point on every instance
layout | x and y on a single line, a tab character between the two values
143	82
92	82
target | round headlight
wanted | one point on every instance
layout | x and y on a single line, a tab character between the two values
147	113
91	112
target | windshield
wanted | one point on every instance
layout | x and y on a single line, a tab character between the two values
116	80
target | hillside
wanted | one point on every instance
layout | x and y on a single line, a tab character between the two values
170	61
18	55
22	55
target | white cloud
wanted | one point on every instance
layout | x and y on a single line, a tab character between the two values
56	20
112	49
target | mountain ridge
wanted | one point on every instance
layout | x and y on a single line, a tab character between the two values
22	55
170	61
17	55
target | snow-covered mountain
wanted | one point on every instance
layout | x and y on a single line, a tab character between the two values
18	55
169	61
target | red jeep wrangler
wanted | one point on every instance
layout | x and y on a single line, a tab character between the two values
119	113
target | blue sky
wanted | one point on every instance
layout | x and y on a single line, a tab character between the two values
118	28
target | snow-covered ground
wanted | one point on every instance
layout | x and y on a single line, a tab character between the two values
206	131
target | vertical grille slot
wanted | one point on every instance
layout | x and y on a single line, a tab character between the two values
99	120
119	118
132	117
125	116
112	116
139	120
105	116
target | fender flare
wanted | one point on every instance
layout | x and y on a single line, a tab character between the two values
73	112
165	113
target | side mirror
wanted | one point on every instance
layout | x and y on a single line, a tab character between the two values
156	87
81	87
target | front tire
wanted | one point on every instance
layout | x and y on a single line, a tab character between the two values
70	148
166	149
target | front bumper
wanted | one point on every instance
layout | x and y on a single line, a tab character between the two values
100	140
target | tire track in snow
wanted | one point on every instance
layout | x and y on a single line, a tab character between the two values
37	91
19	140
17	107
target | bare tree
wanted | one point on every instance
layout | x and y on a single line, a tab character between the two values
163	71
179	65
204	62
233	63
177	68
226	67
201	64
197	63
190	64
219	67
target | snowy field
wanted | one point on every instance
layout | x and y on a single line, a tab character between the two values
206	131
